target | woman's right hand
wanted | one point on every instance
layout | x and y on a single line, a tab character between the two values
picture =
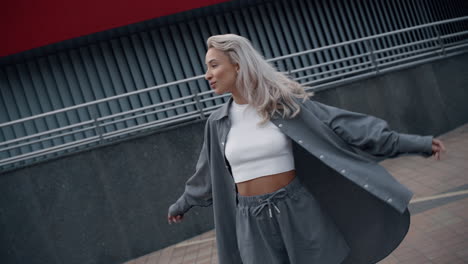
174	219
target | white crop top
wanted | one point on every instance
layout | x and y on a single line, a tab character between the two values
252	150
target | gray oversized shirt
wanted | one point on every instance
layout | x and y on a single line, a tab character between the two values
336	153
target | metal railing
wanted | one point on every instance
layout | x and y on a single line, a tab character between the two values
104	129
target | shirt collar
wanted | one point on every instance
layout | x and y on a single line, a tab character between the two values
223	111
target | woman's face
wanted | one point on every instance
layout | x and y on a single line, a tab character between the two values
220	73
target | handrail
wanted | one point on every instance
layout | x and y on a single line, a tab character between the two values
369	38
367	63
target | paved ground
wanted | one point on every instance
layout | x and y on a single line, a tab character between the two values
439	212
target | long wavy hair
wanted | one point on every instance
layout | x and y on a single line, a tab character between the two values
265	88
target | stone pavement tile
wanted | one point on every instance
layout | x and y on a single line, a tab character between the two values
406	253
204	257
196	250
445	168
461	228
176	260
463	253
191	254
418	189
389	260
165	256
154	257
204	252
435	236
140	260
208	261
448	258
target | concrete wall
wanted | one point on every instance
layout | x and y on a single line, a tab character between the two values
106	205
429	99
109	204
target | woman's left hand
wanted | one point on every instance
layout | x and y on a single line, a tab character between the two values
437	148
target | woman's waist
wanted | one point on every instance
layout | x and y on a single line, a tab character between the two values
265	184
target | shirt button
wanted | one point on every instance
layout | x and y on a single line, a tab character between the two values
389	200
343	171
366	185
321	156
222	143
300	141
280	125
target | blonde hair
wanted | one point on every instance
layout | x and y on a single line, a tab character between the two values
265	88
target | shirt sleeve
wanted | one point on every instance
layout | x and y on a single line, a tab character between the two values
371	134
198	191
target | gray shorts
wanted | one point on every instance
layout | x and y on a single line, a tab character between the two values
287	226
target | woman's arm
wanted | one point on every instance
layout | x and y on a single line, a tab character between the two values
369	133
197	188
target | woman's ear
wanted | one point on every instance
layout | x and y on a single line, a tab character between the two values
237	68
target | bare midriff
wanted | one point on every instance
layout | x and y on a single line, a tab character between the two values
265	184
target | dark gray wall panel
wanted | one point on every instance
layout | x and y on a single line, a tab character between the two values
23	222
452	74
82	224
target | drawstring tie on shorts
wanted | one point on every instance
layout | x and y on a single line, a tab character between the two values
267	202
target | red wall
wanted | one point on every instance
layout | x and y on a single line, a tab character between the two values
27	24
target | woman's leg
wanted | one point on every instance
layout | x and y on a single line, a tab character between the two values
308	233
258	236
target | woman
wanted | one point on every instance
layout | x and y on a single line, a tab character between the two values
251	169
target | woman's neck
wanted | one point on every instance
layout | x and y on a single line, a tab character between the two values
238	98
